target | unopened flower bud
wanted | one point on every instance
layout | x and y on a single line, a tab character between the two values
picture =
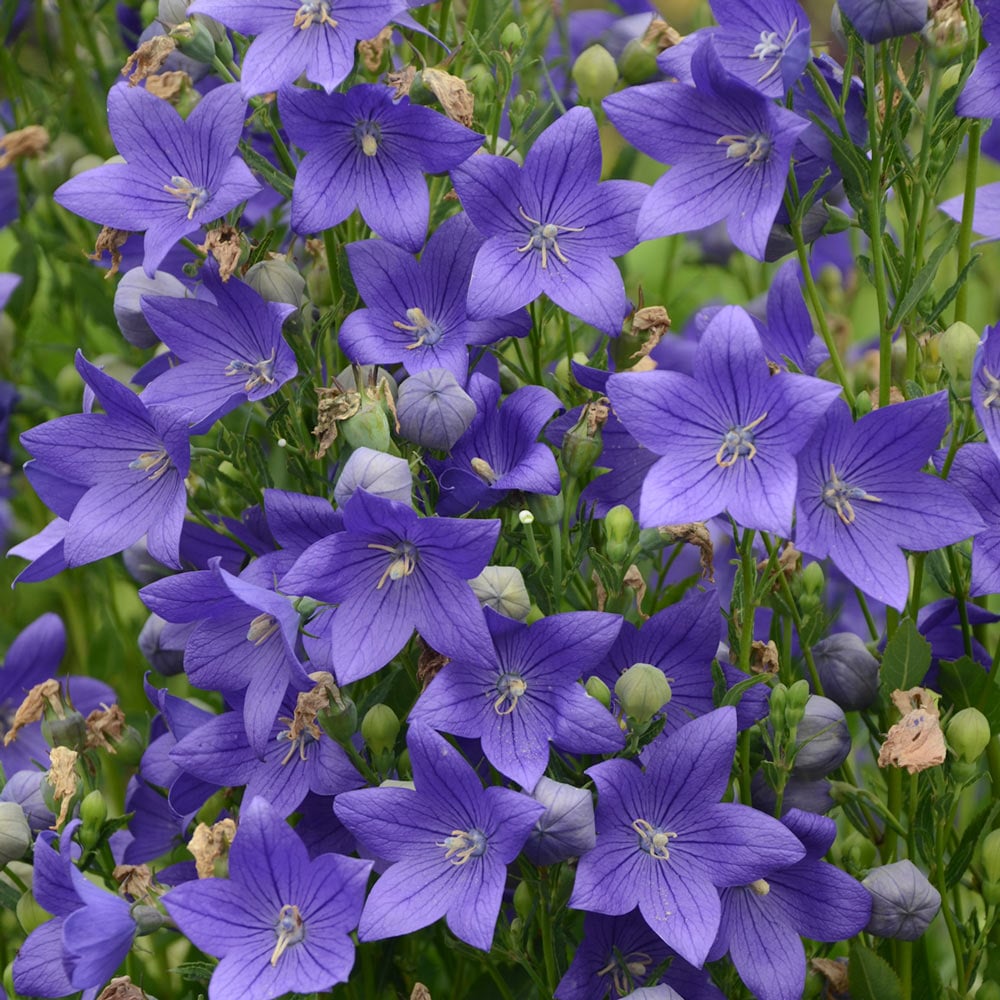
162	643
946	34
847	671
502	589
70	731
368	428
642	691
858	850
194	39
957	347
546	509
434	410
991	855
581	449
318	284
822	739
277	281
512	37
524	901
637	62
148	919
619	530
481	82
340	720
813	578
379	729
596	688
863	404
595	73
134	285
903	901
778	703
15	834
93	812
968	734
798	697
377	473
566	828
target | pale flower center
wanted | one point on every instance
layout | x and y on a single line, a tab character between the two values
769	47
653	839
753	148
156	463
403	563
510	687
427	331
626	971
192	195
993	385
543	236
313	12
257	373
839	496
289	930
737	443
462	845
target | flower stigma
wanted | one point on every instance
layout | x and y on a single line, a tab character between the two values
484	470
770	48
289	929
838	496
313	12
653	840
154	462
753	148
404	561
759	887
626	971
428	331
543	237
262	628
993	385
189	193
258	373
462	845
510	687
737	443
368	135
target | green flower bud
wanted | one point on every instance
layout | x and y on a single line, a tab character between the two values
838	221
194	39
595	73
340	720
93	812
148	919
512	37
813	578
30	915
990	990
968	734
957	346
991	855
318	285
642	691
368	428
403	767
521	108
502	589
130	748
546	509
637	62
379	728
862	404
778	703
619	530
858	851
481	83
580	449
524	901
15	834
68	732
946	34
277	281
596	688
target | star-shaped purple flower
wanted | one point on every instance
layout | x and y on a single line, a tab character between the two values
296	37
862	497
530	695
666	841
727	436
128	465
448	842
179	173
390	572
281	922
365	150
417	314
551	227
730	148
986	384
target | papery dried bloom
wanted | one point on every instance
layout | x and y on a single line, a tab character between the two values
209	844
63	779
32	708
105	727
22	142
148	58
916	742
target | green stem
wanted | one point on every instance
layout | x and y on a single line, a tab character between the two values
749	575
555	531
906	969
330	243
960	597
894	803
968	207
744	758
545	928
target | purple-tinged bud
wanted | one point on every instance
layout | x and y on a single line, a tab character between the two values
875	22
25	788
595	73
162	643
903	901
642	691
15	834
377	473
134	286
800	793
434	410
502	589
566	828
597	689
277	281
379	729
847	670
822	739
968	734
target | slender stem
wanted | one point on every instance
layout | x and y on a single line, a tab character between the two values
545	928
968	208
960	596
555	532
749	574
894	802
905	969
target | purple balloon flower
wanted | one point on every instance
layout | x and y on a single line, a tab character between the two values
551	228
179	174
314	37
417	314
986	383
448	842
666	841
529	695
129	462
728	436
365	150
762	921
862	497
390	572
281	922
877	20
730	148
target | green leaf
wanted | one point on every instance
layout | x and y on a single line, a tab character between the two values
922	282
195	972
967	685
871	977
906	658
9	895
962	856
266	169
736	692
